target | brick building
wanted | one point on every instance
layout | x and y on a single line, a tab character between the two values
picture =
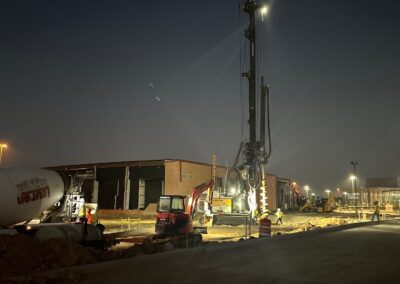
136	184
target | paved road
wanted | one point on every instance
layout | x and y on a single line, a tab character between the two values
369	254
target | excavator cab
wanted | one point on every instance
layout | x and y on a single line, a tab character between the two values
171	217
171	203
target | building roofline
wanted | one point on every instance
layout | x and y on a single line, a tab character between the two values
140	163
192	162
124	164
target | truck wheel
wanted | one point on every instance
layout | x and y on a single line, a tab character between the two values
320	210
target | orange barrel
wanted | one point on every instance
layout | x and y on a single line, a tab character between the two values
265	228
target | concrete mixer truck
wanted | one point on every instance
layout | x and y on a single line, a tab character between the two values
27	192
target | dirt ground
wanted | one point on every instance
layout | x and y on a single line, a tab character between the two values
293	222
25	255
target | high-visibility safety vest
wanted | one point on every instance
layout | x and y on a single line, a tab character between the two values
265	228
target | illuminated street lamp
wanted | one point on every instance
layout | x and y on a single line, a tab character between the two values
338	192
264	11
353	179
327	191
345	197
1	150
307	188
354	183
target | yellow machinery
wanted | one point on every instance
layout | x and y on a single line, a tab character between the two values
319	205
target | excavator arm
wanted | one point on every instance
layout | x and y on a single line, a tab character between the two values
195	195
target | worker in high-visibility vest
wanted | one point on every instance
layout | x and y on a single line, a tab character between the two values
279	215
376	211
89	216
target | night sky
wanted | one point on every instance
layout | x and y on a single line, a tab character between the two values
101	81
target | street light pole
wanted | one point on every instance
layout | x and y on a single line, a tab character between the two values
327	191
354	184
307	188
1	151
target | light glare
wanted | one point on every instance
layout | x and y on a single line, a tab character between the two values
264	11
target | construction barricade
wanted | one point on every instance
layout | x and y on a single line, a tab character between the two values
265	228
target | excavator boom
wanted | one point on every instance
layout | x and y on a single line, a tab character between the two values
195	195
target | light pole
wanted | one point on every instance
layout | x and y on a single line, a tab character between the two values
1	151
306	188
327	191
353	179
355	164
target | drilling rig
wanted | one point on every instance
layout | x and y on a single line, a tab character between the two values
250	174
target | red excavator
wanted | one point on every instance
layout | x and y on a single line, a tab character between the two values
174	224
171	217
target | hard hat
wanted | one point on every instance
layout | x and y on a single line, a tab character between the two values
279	209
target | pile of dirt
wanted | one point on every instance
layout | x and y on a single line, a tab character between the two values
318	223
148	213
20	255
24	255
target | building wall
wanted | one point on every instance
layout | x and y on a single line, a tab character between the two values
117	190
373	182
382	195
181	177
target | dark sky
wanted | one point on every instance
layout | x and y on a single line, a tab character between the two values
98	81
